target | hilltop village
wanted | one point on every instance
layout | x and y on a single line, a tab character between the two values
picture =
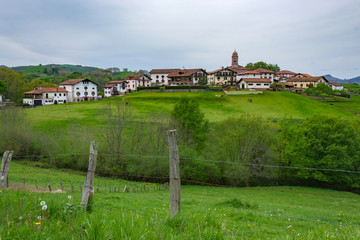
234	77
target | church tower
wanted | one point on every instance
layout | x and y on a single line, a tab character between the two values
234	59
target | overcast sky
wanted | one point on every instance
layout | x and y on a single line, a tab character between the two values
309	36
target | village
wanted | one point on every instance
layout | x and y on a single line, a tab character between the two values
235	77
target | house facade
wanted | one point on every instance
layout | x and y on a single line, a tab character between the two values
305	82
223	76
159	77
254	83
258	73
336	86
115	88
283	75
134	81
186	77
42	96
80	90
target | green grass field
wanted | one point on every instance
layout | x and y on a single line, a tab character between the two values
271	105
206	212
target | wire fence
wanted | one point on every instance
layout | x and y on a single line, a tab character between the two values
134	187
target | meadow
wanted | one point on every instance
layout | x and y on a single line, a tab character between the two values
270	105
207	212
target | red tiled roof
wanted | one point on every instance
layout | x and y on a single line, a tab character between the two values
75	81
163	71
137	77
237	68
306	79
255	80
109	85
184	72
335	84
40	90
285	72
218	70
263	70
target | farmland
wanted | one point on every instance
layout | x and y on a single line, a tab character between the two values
206	212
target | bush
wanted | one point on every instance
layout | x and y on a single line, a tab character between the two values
148	88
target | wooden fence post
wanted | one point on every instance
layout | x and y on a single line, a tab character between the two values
5	165
88	191
175	182
49	185
36	184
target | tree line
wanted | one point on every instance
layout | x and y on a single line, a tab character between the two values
247	150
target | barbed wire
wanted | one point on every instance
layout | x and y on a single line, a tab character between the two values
195	159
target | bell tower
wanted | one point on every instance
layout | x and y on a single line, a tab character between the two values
234	59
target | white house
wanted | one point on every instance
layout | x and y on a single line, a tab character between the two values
186	76
80	89
284	75
134	81
336	86
159	77
255	83
223	76
46	96
115	88
258	73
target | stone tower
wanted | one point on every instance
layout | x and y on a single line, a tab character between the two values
234	59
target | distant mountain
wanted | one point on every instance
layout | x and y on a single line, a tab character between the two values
3	66
342	81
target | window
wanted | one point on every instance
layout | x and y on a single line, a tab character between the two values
78	94
85	88
47	95
157	76
55	94
93	93
250	84
258	84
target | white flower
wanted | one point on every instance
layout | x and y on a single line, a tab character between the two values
2	177
20	218
69	197
44	207
42	203
59	190
39	217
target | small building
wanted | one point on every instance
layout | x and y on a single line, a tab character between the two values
159	77
336	86
115	88
283	75
186	76
42	96
254	83
80	90
258	73
134	81
223	76
305	82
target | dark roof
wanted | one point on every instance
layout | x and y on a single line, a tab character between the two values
40	90
163	71
263	80
75	81
185	72
306	79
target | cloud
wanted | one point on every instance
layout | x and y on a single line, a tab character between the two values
308	36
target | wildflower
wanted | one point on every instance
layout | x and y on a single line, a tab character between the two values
2	177
289	226
44	207
0	191
59	190
20	218
37	223
42	203
39	217
69	197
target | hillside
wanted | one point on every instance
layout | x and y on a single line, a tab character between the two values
62	67
272	105
207	212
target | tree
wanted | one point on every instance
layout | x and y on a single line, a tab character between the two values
15	85
191	121
203	81
75	75
261	64
322	142
3	87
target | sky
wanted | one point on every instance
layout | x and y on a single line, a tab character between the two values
317	37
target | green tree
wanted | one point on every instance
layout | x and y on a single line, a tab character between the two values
3	87
261	64
203	81
322	142
15	85
191	121
75	75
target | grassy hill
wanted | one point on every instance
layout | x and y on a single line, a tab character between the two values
271	105
206	212
63	67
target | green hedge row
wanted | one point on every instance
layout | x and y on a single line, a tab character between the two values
186	87
148	88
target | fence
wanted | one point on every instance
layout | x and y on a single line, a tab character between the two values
173	185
